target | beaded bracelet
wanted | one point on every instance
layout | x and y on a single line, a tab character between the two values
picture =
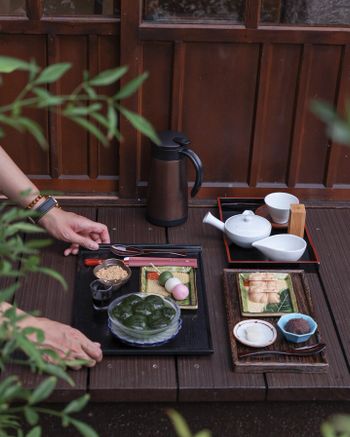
35	201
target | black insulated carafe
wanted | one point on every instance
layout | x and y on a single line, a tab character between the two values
167	198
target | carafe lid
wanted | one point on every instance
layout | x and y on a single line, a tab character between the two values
172	140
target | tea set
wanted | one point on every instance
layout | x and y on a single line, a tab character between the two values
249	230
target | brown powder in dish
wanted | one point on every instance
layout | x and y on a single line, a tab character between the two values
297	326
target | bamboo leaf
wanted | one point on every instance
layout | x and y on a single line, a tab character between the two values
53	72
31	415
104	122
91	128
131	87
34	129
38	244
323	110
179	423
11	122
81	110
141	124
76	405
43	391
58	372
203	433
108	77
53	274
7	293
35	432
8	65
112	119
84	429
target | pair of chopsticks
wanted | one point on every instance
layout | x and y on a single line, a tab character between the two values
304	351
139	261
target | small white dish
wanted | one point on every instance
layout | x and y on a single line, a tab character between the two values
282	247
268	332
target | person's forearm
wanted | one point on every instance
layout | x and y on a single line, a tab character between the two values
13	182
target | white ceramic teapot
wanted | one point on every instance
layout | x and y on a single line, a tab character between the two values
242	229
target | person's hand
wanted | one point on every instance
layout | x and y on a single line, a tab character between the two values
67	342
74	229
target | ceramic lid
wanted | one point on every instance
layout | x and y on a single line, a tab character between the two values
248	224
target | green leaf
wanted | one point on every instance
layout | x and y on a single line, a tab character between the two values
90	91
323	110
104	122
84	429
327	430
91	128
47	99
131	87
179	423
54	275
23	227
339	131
53	72
112	119
59	372
8	65
29	330
81	110
29	348
35	432
43	391
109	76
31	415
11	121
34	129
76	405
141	124
7	293
38	243
203	433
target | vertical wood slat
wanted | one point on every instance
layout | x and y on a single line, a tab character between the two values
178	85
252	13
334	155
300	108
130	54
261	113
34	9
55	126
93	60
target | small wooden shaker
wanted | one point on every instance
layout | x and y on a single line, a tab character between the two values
297	217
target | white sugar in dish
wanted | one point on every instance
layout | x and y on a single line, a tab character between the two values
255	334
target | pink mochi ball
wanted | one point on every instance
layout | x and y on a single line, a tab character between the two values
180	292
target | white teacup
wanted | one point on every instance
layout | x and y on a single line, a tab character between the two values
278	205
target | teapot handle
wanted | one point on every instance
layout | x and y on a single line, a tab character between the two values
198	166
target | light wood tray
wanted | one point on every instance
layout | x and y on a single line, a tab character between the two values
310	364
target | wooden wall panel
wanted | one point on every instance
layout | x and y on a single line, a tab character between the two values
22	147
218	107
278	121
156	96
323	79
108	57
74	146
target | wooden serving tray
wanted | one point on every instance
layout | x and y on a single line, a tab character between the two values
310	364
252	257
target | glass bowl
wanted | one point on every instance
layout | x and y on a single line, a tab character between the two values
116	283
141	311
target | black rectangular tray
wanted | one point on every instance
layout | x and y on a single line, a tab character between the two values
229	206
194	337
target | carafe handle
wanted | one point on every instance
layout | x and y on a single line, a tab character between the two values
198	166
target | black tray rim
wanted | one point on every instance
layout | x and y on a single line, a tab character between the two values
158	350
260	263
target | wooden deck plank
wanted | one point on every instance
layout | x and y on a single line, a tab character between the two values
331	233
138	378
53	302
211	378
333	385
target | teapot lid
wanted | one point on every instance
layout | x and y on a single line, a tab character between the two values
248	224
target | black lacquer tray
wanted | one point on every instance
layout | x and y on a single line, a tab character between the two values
194	337
238	256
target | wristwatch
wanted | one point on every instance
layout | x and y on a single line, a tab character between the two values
49	203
